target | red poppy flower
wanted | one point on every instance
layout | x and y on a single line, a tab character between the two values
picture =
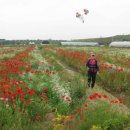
86	105
71	117
105	96
120	100
38	117
45	90
76	111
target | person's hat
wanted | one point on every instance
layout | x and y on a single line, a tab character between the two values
92	54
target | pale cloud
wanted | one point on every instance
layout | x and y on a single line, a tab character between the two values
55	19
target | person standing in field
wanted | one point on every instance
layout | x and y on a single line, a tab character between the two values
92	69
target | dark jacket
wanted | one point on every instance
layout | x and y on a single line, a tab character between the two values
92	64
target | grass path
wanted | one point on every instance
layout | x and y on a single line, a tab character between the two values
67	69
81	94
96	89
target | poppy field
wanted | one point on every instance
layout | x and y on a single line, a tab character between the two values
45	88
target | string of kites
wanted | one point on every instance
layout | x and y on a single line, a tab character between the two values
81	16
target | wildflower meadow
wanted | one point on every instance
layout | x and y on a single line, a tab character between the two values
45	88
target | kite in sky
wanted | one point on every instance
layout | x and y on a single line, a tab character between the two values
81	16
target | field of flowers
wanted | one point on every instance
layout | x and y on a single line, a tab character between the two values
114	66
38	93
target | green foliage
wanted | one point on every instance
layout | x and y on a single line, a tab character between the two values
113	124
77	89
38	108
12	119
96	128
103	118
40	47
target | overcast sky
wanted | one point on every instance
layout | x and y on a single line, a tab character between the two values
55	19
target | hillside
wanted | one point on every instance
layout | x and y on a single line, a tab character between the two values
106	40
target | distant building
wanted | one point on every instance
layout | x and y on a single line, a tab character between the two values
31	43
80	43
125	44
